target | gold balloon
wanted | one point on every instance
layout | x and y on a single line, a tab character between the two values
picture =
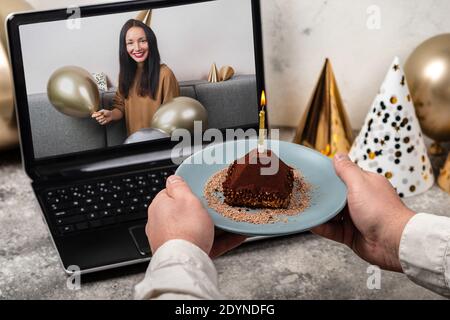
9	137
428	74
180	113
8	128
6	90
444	176
225	73
7	7
73	91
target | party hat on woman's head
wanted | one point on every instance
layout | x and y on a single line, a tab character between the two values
145	16
390	142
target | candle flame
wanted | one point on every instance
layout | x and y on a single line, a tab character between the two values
263	98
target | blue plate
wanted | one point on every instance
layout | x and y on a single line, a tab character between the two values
328	196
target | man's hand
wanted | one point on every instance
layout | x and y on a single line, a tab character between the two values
176	213
374	219
103	116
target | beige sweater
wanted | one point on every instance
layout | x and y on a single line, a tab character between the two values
139	110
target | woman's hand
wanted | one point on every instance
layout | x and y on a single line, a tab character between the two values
103	116
373	221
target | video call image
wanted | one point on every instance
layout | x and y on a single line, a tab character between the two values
117	79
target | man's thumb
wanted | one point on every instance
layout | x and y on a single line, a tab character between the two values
348	171
177	187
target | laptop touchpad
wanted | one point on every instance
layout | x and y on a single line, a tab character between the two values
140	239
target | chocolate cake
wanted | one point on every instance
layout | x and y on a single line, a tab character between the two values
245	186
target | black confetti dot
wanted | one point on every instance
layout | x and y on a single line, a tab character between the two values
401	195
397	118
366	135
408	128
365	157
423	168
374	110
397	139
394	124
397	146
375	140
385	120
379	170
397	161
386	138
365	141
368	151
399	108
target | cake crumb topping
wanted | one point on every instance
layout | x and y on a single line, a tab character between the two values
299	201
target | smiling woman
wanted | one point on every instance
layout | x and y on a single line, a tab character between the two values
144	83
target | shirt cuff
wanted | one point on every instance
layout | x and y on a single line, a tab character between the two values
425	252
179	269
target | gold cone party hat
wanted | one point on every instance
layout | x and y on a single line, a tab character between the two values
212	76
325	125
444	177
226	73
390	142
145	16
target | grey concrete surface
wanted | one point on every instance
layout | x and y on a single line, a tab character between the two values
302	266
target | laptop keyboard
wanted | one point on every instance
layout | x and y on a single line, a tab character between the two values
106	202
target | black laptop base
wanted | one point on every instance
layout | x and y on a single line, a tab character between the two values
99	223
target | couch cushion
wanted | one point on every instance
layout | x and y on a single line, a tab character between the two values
187	91
230	103
54	133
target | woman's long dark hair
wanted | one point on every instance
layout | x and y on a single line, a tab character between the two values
150	74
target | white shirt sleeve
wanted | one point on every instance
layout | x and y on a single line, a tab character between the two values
425	252
179	270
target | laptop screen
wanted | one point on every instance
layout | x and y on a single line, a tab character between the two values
116	79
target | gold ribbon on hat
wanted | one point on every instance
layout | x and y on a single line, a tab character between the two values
325	125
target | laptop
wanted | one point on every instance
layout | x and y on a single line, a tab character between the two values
94	182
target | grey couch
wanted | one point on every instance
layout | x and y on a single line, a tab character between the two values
229	103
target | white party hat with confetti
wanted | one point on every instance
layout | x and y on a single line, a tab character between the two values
390	142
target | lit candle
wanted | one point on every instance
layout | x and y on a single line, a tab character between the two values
262	119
